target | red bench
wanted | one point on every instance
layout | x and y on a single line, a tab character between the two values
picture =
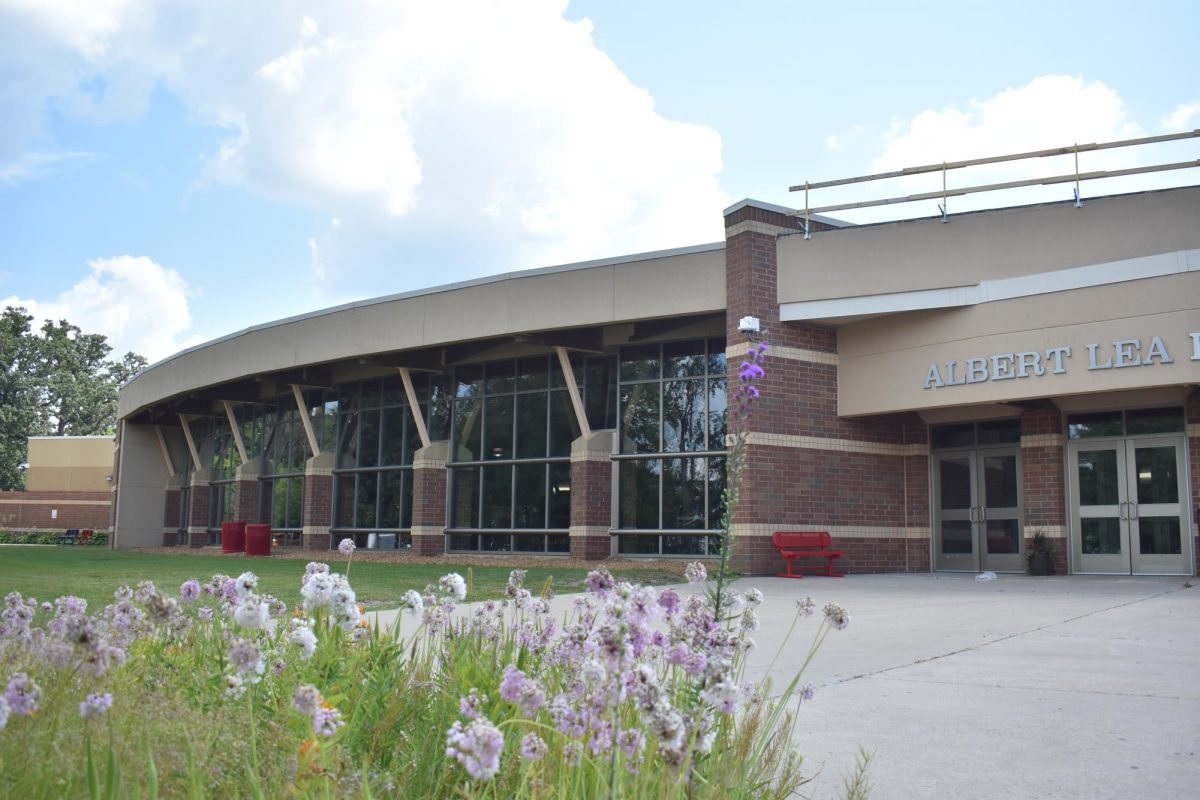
806	544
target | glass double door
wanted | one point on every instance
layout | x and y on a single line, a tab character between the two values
1130	513
977	510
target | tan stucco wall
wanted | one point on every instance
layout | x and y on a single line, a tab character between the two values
970	248
884	362
69	464
652	287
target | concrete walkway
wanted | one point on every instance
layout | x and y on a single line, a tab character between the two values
1077	687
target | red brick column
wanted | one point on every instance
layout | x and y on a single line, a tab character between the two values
806	467
317	514
247	490
170	536
1043	480
591	496
429	499
1192	413
197	517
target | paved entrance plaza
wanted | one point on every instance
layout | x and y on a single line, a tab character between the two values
1080	687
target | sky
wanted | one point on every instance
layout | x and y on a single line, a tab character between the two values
172	172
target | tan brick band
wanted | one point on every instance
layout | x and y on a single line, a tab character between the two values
590	455
589	530
857	531
315	530
1193	430
427	530
56	502
839	445
428	463
1049	531
1044	440
740	349
754	226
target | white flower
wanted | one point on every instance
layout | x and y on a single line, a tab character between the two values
454	585
695	572
346	547
413	602
302	636
753	597
252	612
247	582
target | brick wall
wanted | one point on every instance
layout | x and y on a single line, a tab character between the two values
591	496
32	510
317	512
1043	480
429	499
197	521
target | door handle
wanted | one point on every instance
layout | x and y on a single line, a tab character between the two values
1133	510
983	513
971	514
1121	510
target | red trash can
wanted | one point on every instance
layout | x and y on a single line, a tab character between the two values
258	540
233	537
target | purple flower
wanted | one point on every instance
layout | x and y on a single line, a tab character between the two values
807	691
95	704
190	590
669	600
205	613
247	658
306	699
525	692
346	547
572	754
600	581
510	684
327	720
632	741
836	616
695	572
471	706
3	712
22	694
477	747
750	371
533	748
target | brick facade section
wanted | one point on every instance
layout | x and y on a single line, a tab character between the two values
246	496
591	507
31	510
317	510
197	519
785	487
171	518
1043	480
429	510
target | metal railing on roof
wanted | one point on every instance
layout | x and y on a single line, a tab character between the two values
946	166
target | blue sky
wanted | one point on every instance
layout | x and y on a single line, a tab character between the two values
174	172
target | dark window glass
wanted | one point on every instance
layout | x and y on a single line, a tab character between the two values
957	538
1100	536
954	477
406	505
345	502
1154	420
279	504
717	414
962	435
683	545
556	374
1000	481
639	493
1098	478
439	408
716	357
531	425
391	437
600	395
348	397
371	395
295	502
529	510
497	497
529	542
1157	475
470	380
499	377
495	542
639	418
683	493
498	427
564	427
460	541
637	545
558	543
412	437
365	499
1003	536
467	429
1159	536
389	501
1087	426
393	390
348	449
683	359
464	497
640	363
1000	431
683	416
368	439
532	373
560	496
716	489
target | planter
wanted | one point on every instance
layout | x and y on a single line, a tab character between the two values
233	537
258	540
1041	562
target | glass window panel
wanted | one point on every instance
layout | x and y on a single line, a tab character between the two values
683	545
1157	478
295	502
683	493
499	377
714	545
956	537
718	414
600	396
469	381
1159	536
370	395
564	427
344	518
560	496
1003	536
495	542
279	505
393	391
347	397
1101	536
529	509
348	449
529	542
1098	478
716	491
683	359
440	404
412	437
1000	431
640	363
1000	481
639	418
531	425
460	541
716	357
638	487
464	497
406	505
365	500
558	543
368	439
389	501
498	427
683	416
392	437
637	545
954	476
327	432
1087	426
532	373
468	429
962	435
497	497
1154	420
556	375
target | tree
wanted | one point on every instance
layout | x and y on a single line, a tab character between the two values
59	382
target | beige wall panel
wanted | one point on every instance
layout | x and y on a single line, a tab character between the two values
884	363
70	451
927	254
678	284
141	496
68	479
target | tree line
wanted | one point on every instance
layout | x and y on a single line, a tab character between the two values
54	381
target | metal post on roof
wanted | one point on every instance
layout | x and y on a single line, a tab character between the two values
807	215
945	200
1078	198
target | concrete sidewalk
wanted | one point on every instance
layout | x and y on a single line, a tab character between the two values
1079	687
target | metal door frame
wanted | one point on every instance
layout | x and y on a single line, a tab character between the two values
977	513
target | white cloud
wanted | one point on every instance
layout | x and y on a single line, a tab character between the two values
1048	112
1183	118
411	118
31	166
138	304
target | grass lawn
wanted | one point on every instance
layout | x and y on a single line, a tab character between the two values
94	572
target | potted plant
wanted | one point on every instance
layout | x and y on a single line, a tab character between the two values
1039	555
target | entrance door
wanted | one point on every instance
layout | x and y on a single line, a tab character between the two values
1130	514
977	499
